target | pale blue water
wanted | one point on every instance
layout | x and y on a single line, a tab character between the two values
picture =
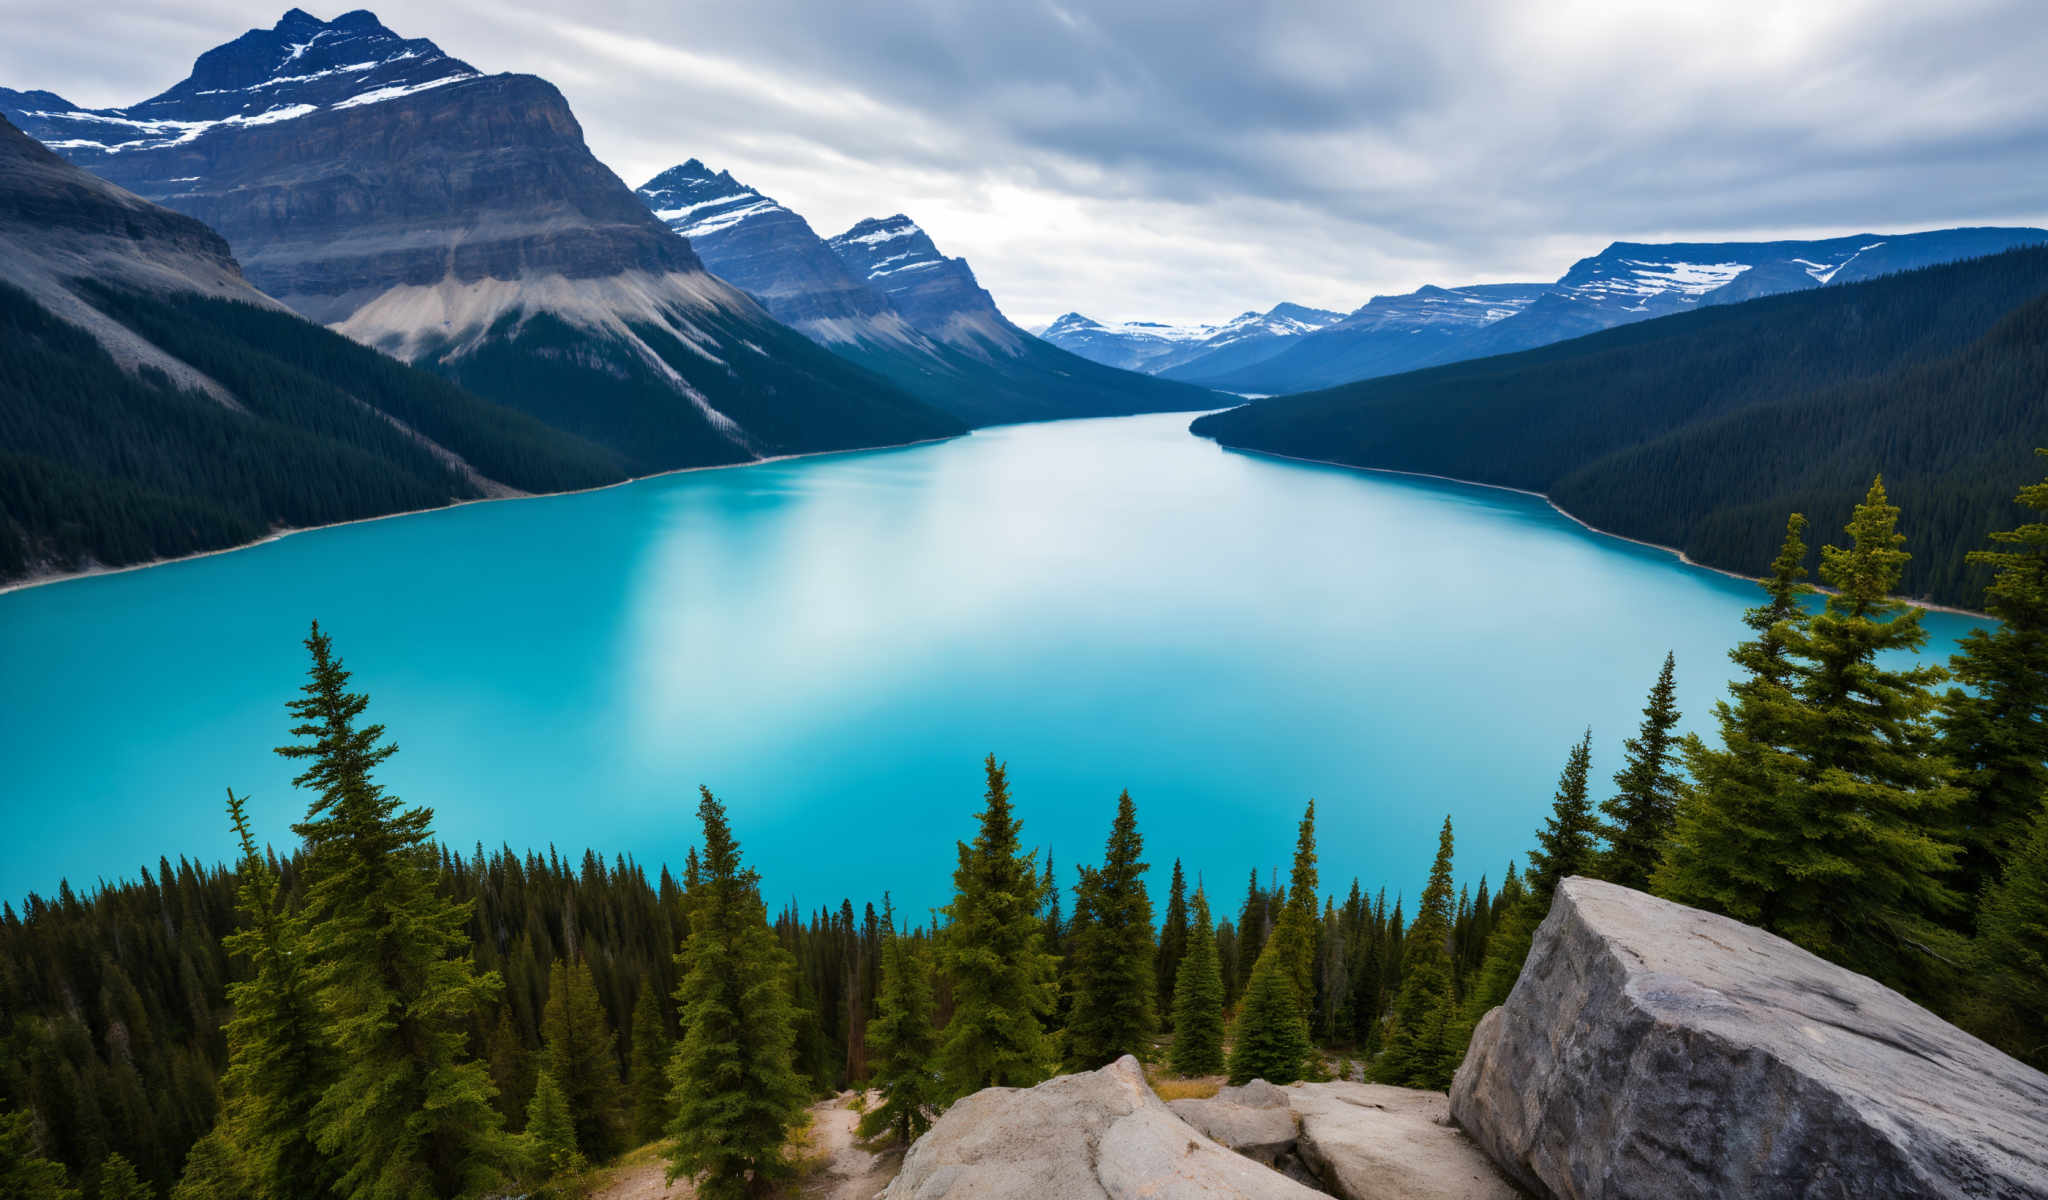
832	644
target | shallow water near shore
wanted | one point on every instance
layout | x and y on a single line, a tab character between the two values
832	644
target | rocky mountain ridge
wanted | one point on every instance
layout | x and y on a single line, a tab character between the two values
458	221
1189	352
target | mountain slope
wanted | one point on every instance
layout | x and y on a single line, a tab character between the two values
153	404
1625	283
953	348
458	221
1191	352
1702	430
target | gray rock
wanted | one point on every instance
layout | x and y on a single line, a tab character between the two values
1653	1050
1253	1120
1102	1135
1371	1142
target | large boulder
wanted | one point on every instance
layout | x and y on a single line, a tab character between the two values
1254	1120
1653	1050
1102	1135
1371	1142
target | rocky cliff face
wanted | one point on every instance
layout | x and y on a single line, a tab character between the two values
936	294
1653	1050
457	220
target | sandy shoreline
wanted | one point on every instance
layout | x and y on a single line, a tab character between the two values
68	576
1674	551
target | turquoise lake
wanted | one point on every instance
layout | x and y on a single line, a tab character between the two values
832	644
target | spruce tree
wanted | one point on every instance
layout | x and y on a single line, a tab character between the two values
578	1049
409	1113
1565	845
1270	1038
903	1040
215	1169
1995	728
1644	807
2010	979
738	1096
279	1058
1198	1000
1173	941
1294	932
1254	923
1003	979
647	1076
550	1135
1421	1049
118	1180
1113	955
1726	849
1866	859
25	1173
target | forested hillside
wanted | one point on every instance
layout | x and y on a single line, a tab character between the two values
1702	430
100	465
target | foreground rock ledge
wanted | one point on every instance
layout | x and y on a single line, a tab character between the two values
1092	1136
1653	1050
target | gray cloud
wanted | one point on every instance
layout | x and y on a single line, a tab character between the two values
1137	159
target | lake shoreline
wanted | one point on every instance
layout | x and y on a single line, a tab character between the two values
56	577
1588	526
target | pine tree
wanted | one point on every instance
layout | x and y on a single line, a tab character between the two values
25	1174
118	1180
1995	728
1565	845
738	1096
1726	849
550	1135
579	1050
279	1059
511	1069
1421	1046
1294	933
903	1039
647	1079
1003	980
2010	956
1198	1000
1113	957
1866	860
409	1113
1173	941
1270	1040
216	1169
1645	805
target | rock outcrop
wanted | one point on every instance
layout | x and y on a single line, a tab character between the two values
1372	1142
1653	1050
1093	1136
1255	1120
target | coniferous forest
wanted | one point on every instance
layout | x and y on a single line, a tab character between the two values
1700	431
370	1014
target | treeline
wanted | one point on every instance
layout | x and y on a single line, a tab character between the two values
104	466
1701	430
374	1016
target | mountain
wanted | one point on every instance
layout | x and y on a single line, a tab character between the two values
1190	352
1386	335
936	335
458	221
154	404
1626	282
1704	429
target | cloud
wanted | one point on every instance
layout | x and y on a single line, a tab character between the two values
1142	159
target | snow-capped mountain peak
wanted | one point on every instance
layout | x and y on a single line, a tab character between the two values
696	202
299	66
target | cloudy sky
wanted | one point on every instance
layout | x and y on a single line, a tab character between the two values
1187	161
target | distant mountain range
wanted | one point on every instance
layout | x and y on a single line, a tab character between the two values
154	404
1625	283
1188	352
457	221
882	295
1705	429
